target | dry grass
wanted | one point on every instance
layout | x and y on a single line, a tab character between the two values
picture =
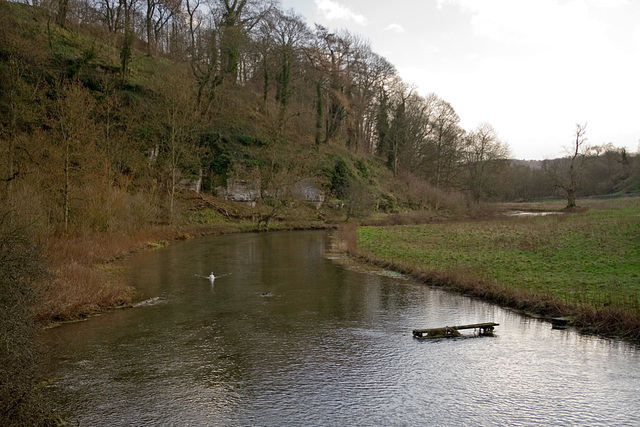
100	247
348	237
81	290
81	284
609	321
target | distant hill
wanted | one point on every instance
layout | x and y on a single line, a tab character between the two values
533	164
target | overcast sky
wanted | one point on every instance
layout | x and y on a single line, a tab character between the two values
530	68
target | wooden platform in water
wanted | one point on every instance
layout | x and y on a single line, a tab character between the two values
453	331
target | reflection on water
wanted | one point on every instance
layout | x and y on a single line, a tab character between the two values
288	337
531	213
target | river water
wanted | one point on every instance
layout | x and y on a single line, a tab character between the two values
287	336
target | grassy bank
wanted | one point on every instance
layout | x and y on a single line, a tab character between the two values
584	265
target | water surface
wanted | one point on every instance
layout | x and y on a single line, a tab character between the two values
290	337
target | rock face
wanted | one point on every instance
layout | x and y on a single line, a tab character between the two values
193	184
248	191
306	190
238	190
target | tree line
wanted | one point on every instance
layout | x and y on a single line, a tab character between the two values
585	171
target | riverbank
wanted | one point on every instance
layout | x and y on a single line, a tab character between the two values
582	266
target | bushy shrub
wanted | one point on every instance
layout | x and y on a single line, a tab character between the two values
21	265
340	178
359	202
422	195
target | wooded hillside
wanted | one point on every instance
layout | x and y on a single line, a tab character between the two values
110	108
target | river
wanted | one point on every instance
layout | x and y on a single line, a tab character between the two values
287	336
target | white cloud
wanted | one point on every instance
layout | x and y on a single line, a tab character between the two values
432	49
441	3
333	10
536	23
636	36
395	27
609	3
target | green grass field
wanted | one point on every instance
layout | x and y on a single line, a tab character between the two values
581	259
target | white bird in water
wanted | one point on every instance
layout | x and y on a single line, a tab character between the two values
213	277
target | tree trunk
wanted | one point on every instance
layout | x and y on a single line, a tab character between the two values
11	173
319	113
174	167
67	185
148	24
571	198
63	8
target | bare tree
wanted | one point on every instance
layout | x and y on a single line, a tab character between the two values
438	157
415	156
204	58
110	12
484	158
238	17
377	124
368	74
359	202
126	50
75	142
566	172
179	152
63	9
397	137
281	172
287	32
328	55
158	14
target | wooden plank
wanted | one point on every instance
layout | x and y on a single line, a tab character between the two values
478	326
452	331
472	326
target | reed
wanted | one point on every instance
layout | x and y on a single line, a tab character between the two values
348	237
80	290
82	284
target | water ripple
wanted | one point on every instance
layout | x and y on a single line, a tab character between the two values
333	348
